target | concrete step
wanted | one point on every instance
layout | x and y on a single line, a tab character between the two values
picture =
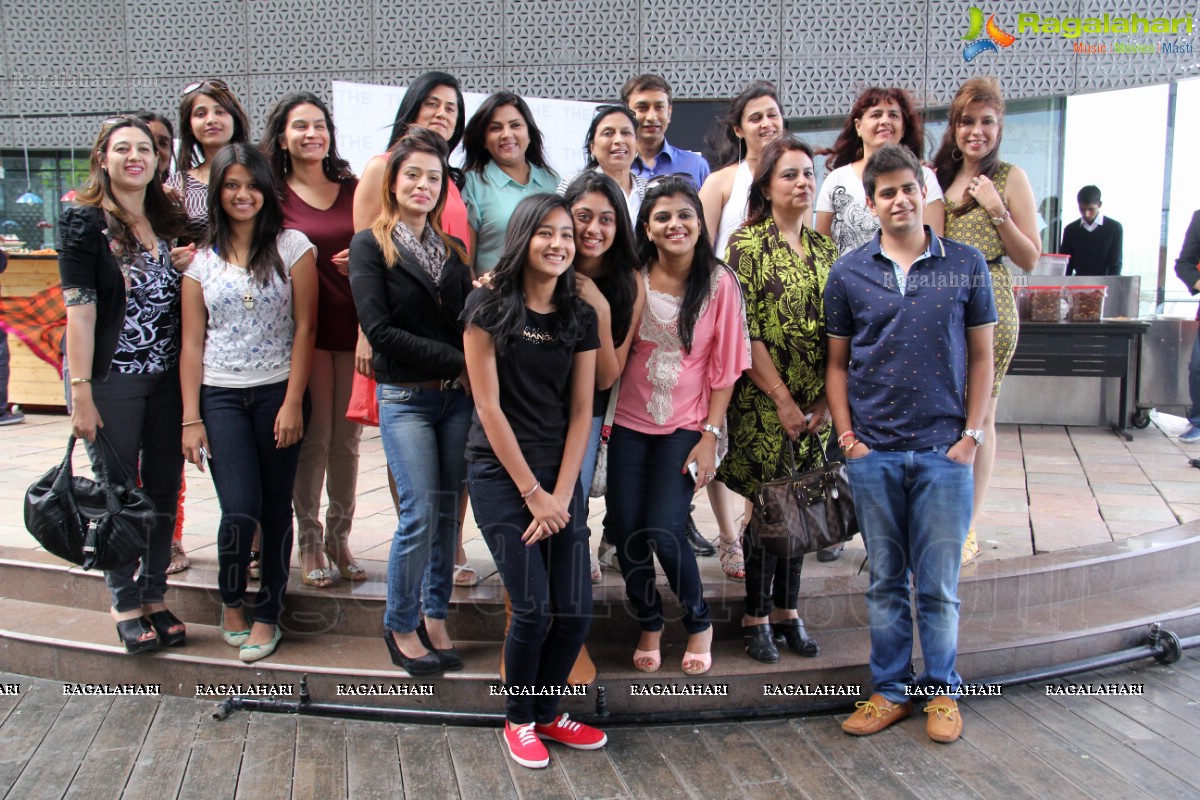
477	613
75	644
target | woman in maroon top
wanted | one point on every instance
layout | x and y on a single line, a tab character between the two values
318	201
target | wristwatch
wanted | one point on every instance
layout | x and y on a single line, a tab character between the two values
998	221
714	430
974	434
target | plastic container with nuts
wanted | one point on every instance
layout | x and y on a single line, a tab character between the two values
1086	303
1045	303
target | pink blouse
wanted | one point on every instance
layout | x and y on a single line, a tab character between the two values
665	388
454	216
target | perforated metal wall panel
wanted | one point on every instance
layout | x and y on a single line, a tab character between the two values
75	57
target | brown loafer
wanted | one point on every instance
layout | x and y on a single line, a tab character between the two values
944	723
874	715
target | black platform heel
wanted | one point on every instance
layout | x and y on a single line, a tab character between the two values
428	664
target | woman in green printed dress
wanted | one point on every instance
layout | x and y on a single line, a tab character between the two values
990	206
782	264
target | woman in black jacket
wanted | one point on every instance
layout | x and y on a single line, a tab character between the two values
122	351
409	280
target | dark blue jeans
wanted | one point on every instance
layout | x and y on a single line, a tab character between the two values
254	481
648	500
3	370
141	415
547	583
1193	383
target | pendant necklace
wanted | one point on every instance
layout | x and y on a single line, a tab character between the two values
248	297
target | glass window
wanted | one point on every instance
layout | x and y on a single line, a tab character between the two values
34	226
1032	140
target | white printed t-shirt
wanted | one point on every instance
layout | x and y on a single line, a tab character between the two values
248	346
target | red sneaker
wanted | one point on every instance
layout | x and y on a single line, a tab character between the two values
525	747
572	734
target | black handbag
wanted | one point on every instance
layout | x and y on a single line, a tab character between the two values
805	511
98	524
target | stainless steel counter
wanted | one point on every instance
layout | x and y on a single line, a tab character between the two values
1074	400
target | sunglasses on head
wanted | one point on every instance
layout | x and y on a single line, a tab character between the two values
215	83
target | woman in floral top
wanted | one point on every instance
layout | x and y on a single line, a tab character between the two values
782	265
122	343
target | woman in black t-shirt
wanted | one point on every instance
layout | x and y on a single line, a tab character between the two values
531	345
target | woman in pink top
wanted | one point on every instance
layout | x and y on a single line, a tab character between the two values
434	101
318	200
690	346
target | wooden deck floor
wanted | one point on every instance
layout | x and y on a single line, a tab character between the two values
1022	744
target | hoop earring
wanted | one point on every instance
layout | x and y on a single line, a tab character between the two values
956	157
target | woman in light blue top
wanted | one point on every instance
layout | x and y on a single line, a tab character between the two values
505	162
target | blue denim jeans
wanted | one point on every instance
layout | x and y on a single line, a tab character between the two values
648	500
1194	382
254	481
588	469
914	508
424	433
548	585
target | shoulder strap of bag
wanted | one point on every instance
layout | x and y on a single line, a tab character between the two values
789	450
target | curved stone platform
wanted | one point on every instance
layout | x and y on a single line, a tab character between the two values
1017	614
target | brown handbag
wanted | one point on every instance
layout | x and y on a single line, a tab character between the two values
805	511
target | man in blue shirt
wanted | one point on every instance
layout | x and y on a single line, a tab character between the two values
909	318
649	97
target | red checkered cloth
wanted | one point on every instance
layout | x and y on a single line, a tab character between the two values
39	321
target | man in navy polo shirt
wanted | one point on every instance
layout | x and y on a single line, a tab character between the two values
909	318
649	98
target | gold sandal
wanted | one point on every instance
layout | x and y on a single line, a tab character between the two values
351	572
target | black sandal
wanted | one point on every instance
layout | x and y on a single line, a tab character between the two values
170	629
759	643
798	641
137	635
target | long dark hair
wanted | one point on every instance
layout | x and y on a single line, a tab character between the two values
148	117
758	206
165	215
417	140
945	165
849	146
726	143
603	112
475	136
502	311
265	261
618	282
190	153
336	168
410	106
704	260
